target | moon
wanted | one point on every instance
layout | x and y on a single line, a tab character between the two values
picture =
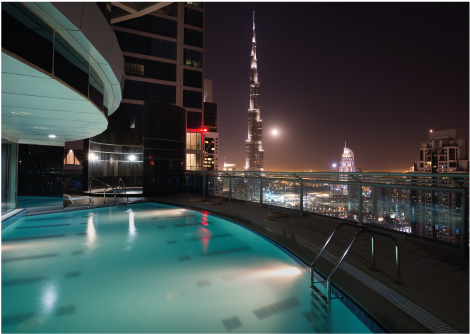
274	132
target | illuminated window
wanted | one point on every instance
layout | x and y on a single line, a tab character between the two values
71	158
193	161
195	4
135	69
193	141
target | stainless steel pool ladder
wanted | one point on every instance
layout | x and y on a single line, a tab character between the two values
104	192
361	229
125	190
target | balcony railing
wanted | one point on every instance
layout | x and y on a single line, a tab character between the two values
410	203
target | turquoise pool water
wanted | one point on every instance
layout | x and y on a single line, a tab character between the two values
154	268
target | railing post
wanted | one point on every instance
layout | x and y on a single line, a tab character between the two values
359	183
260	191
372	240
464	226
204	186
230	188
301	204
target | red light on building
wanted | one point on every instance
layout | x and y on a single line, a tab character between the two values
205	130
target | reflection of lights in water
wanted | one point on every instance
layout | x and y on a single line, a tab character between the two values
132	231
163	212
205	237
90	231
292	271
49	296
91	235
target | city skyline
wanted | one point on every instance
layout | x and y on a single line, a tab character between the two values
378	76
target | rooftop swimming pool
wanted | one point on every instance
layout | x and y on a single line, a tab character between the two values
156	268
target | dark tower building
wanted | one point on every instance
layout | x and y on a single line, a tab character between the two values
254	148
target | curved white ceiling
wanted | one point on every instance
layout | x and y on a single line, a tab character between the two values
50	107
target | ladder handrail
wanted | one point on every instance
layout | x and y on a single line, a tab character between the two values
125	190
104	191
358	233
326	244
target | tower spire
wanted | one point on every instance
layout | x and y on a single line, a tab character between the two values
254	148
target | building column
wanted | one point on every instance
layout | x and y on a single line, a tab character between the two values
260	191
230	188
360	202
464	226
301	204
204	186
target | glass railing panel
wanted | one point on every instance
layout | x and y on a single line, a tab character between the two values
281	193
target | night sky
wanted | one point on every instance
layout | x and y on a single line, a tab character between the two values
377	75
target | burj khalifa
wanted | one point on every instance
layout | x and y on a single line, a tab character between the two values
254	148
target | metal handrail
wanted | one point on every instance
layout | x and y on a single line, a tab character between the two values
326	244
125	190
358	233
104	192
362	229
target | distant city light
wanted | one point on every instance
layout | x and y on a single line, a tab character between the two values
51	136
334	165
132	157
430	130
275	132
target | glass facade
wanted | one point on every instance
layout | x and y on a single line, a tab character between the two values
192	58
146	45
194	120
194	17
139	90
47	49
150	69
40	175
192	99
36	36
117	152
192	78
193	38
151	24
210	116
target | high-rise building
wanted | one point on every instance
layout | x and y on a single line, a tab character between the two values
346	164
438	212
443	153
163	48
254	148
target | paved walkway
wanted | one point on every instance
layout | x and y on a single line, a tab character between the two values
434	279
